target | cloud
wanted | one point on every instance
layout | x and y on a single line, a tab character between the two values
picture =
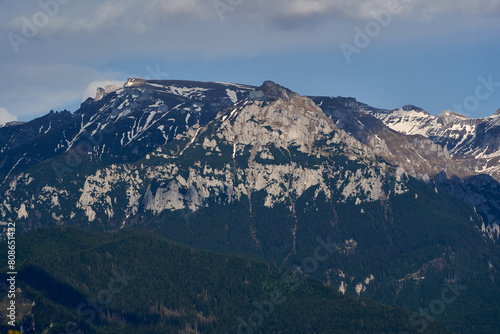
32	89
306	8
268	11
107	16
93	15
117	18
91	89
172	10
421	10
6	117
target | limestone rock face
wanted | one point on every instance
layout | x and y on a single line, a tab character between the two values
274	143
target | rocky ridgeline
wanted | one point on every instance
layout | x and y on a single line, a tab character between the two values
262	144
264	124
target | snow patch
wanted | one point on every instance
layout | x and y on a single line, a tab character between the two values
232	95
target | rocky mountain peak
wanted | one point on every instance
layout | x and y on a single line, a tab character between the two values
447	117
410	107
497	113
134	82
101	92
271	91
280	117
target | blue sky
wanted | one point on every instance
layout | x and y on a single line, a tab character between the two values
433	54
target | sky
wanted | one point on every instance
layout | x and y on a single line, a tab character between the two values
434	54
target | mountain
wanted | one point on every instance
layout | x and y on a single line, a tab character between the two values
466	140
271	126
464	147
446	149
121	123
263	172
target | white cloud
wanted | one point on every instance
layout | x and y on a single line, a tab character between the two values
305	8
362	9
107	16
278	9
91	89
32	89
6	117
182	9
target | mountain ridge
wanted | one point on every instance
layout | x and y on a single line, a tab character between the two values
263	172
123	124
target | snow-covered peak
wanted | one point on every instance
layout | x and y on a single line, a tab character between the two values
409	121
447	117
14	123
476	140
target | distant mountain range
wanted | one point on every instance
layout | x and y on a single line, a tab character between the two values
407	202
